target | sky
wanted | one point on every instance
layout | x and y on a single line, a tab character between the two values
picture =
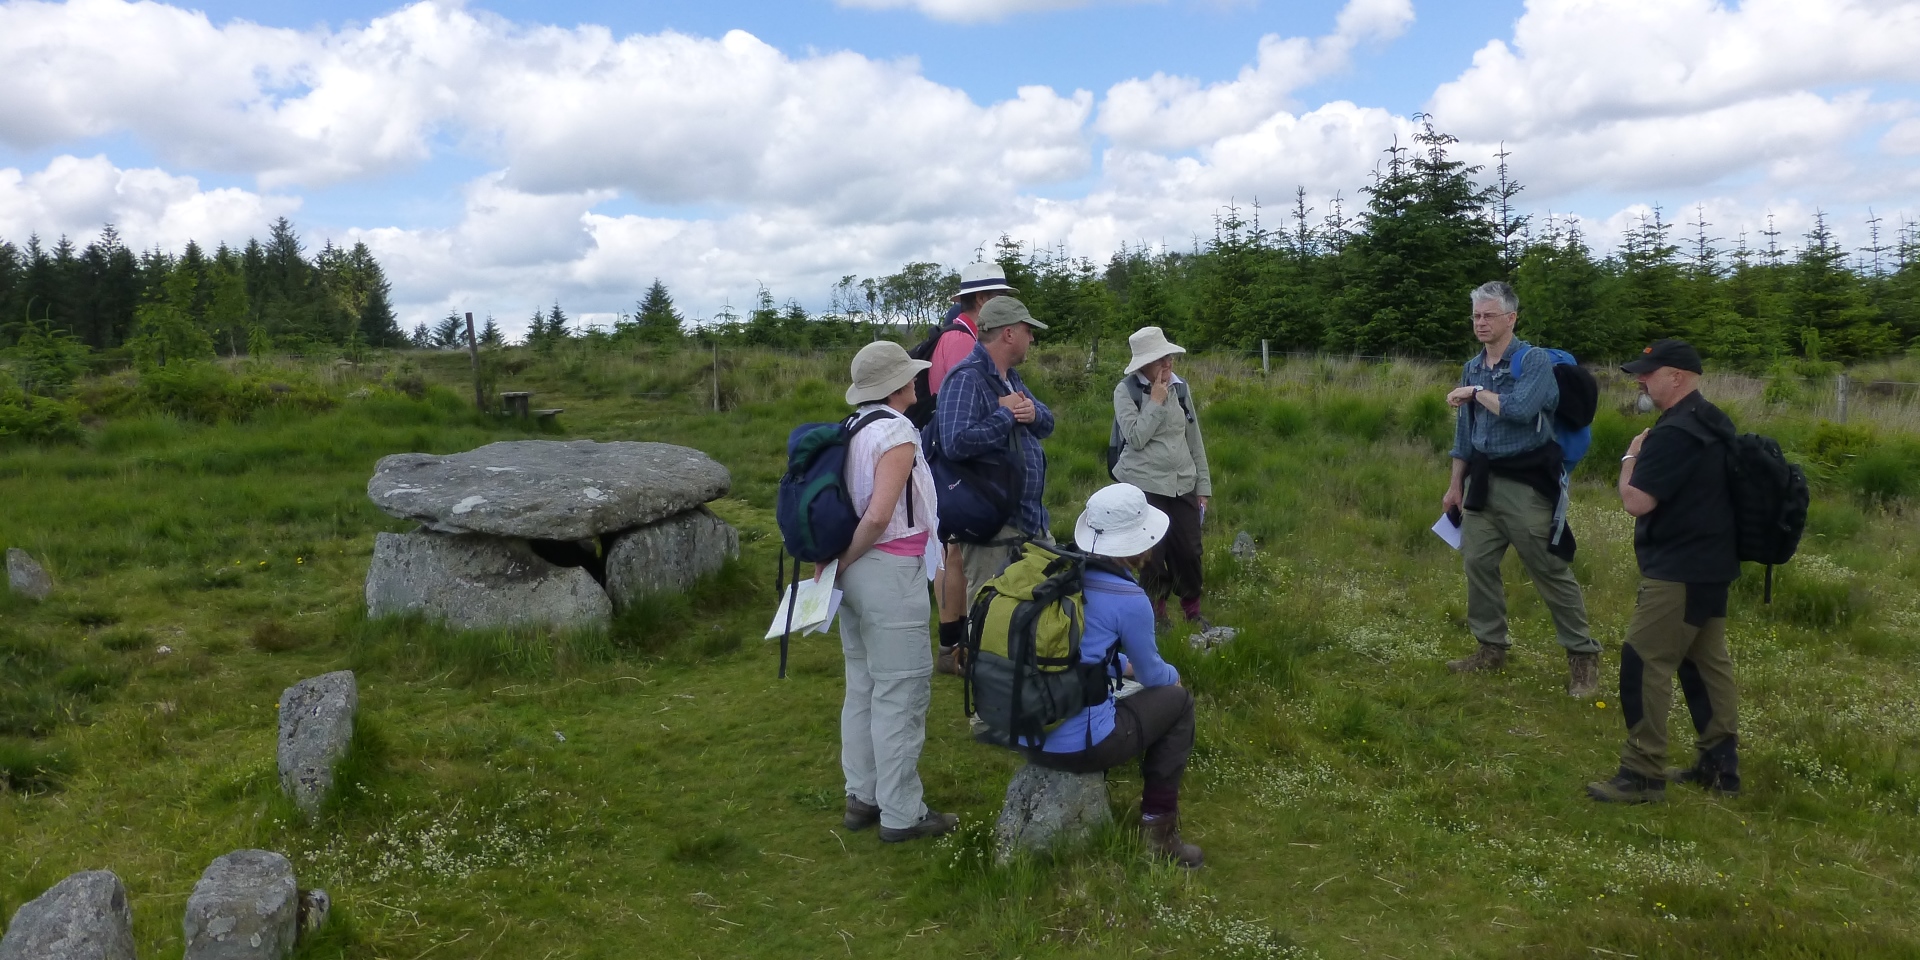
502	156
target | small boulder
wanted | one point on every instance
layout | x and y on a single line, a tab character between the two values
1047	806
1243	548
84	917
547	489
25	576
245	907
315	906
480	582
1206	640
316	728
668	555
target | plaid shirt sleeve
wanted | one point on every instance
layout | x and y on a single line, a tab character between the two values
972	422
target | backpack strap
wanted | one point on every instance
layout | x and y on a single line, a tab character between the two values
870	419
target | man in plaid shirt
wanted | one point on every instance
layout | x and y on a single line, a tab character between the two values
982	403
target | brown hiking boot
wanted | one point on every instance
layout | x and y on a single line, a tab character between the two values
1583	675
1488	657
948	662
860	815
932	824
1628	787
1163	839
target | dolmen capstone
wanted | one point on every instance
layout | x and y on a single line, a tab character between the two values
1045	807
84	917
544	532
25	576
245	907
316	729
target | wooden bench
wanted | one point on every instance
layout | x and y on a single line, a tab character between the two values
514	403
547	416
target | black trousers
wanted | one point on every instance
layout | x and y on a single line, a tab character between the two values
1155	725
1174	567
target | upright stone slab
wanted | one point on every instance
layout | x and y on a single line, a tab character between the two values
25	576
1046	806
1243	548
669	554
316	728
84	917
547	489
245	907
480	582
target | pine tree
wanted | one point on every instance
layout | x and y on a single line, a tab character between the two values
655	319
422	338
450	332
490	335
557	324
1833	319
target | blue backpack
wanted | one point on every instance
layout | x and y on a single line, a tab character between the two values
1579	400
814	510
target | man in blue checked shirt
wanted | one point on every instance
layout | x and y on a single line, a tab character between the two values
1507	483
982	402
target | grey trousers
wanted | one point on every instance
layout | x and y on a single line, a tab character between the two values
883	721
1519	516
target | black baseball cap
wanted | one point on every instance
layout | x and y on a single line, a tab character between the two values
1678	354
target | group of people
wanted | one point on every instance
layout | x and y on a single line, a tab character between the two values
1143	542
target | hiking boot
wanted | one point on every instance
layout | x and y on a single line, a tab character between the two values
1162	835
1628	787
932	824
1199	623
1488	657
1715	771
1583	675
860	815
948	662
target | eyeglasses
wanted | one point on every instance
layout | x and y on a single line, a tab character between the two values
1491	316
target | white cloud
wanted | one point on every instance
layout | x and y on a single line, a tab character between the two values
74	196
975	11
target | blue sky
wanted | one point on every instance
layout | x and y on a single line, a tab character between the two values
499	155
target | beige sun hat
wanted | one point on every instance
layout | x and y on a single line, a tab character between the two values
1149	344
976	277
880	368
1119	522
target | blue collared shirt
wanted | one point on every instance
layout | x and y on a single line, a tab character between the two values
972	422
1525	420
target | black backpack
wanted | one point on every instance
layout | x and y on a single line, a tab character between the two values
1115	442
1769	502
921	410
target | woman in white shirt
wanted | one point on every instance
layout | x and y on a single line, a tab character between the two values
885	607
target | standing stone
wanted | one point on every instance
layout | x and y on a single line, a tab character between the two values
669	555
84	917
1046	806
547	489
245	907
315	906
480	582
316	727
1243	548
25	576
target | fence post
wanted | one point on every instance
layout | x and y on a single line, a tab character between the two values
473	354
1840	394
1263	358
716	376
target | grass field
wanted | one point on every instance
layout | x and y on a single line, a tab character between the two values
655	791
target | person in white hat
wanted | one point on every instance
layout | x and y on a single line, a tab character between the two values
979	283
1118	531
884	607
1157	435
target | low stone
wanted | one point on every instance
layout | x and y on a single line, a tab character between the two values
316	728
315	907
1243	548
25	576
1206	640
84	917
668	555
547	489
479	582
1045	807
245	907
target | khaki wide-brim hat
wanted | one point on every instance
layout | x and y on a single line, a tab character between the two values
980	277
1150	344
880	368
1119	522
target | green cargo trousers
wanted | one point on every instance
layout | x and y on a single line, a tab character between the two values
1660	644
1520	516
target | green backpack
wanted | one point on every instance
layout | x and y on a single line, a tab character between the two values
1023	669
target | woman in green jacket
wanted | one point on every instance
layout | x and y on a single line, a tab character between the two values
1161	452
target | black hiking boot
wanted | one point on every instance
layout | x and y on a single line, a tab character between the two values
860	815
1163	839
933	824
1628	787
1715	771
1583	675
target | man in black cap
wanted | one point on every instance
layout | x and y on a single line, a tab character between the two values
1673	480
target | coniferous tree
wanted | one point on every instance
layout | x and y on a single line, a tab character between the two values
450	332
1829	307
422	338
490	335
654	318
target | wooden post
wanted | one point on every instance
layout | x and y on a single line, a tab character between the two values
473	354
1840	394
1264	369
716	376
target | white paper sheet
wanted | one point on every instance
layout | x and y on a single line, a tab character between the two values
1447	530
813	605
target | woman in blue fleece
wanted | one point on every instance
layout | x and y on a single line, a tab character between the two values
1118	529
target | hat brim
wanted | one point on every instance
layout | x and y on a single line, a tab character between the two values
1121	544
1141	360
1641	365
857	395
1031	322
994	286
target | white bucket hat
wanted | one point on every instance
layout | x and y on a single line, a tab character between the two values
1149	344
1118	522
975	277
880	368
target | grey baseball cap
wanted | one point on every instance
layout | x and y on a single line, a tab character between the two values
1005	312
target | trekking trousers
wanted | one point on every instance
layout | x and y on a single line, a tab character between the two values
1156	725
1174	567
1660	644
883	721
1520	516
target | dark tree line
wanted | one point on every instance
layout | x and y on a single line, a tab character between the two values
195	303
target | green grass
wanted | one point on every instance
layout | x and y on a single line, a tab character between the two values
655	788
